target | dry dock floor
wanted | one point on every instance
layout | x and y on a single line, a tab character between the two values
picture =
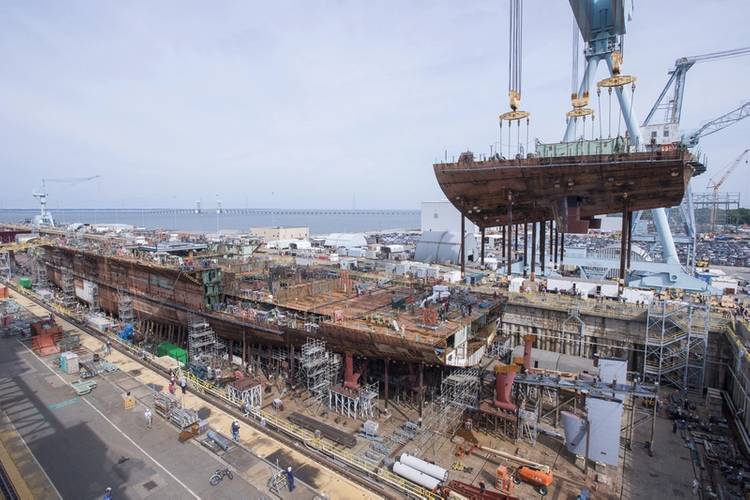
87	443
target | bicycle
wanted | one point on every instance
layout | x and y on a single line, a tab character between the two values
217	476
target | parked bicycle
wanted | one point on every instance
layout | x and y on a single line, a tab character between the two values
217	476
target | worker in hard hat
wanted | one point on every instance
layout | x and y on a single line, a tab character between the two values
290	478
107	494
236	430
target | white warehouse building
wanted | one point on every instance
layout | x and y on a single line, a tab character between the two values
345	240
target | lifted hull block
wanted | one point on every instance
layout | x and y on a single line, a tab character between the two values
559	187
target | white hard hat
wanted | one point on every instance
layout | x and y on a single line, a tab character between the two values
289	469
108	489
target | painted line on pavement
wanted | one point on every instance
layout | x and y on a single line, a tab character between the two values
114	425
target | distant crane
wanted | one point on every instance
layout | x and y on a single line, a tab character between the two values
724	174
667	132
45	218
673	107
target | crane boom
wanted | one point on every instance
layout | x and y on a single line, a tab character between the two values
70	179
719	123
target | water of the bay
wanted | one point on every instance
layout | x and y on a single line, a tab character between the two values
319	221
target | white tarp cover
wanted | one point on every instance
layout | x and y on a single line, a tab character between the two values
613	369
86	293
605	418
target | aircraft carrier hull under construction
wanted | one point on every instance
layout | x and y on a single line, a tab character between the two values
166	300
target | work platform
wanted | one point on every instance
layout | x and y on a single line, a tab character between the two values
496	191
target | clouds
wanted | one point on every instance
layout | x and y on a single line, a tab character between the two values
316	102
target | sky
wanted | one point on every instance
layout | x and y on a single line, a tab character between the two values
315	103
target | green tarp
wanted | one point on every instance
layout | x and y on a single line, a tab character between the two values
171	350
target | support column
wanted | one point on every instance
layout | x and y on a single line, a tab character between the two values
525	246
387	362
533	247
623	243
463	246
515	238
551	235
555	246
244	349
421	391
481	249
502	242
291	363
630	239
562	247
510	236
542	244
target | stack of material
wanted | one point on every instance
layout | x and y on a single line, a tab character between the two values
107	367
184	418
46	334
69	362
83	386
220	441
334	434
165	403
87	369
69	342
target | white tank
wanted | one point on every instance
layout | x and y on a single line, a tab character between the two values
430	469
415	476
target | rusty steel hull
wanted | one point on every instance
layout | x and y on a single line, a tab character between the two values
540	189
184	299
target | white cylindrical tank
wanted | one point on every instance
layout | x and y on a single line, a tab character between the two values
415	476
430	469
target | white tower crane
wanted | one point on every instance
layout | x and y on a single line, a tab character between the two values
45	217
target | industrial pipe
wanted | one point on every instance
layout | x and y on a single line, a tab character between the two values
350	378
415	476
511	456
425	467
528	344
504	376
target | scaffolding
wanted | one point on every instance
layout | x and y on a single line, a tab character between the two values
94	306
714	210
318	368
250	392
351	403
202	341
40	269
125	309
459	391
5	269
68	288
676	344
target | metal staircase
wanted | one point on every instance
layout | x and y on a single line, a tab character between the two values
676	344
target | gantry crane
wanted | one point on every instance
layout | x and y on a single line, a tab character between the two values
45	218
673	107
667	132
715	185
